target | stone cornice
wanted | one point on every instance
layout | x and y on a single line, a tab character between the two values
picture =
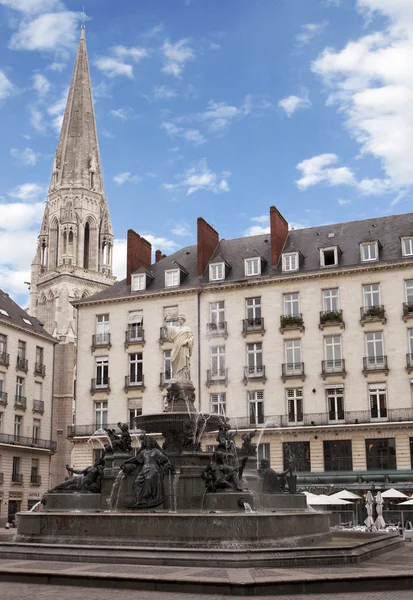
47	337
65	273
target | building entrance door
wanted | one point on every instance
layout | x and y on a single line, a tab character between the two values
14	507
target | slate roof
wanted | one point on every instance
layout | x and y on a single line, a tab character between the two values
347	236
16	315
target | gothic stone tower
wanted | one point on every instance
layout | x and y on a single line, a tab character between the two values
74	251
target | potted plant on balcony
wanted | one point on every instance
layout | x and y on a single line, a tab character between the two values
291	321
331	316
375	312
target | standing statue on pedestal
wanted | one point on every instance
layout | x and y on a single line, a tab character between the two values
182	339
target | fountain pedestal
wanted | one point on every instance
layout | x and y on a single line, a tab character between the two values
228	501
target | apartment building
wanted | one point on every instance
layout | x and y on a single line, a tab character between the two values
305	335
26	386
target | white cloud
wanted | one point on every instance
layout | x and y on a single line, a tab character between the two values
116	65
56	66
309	31
190	135
262	227
200	178
292	103
163	93
181	229
19	215
27	156
126	177
120	247
296	225
343	202
175	56
41	84
160	242
122	113
136	54
31	7
6	86
57	111
36	119
46	32
29	192
219	115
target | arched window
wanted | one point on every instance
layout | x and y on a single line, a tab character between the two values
70	243
105	253
43	254
86	246
64	242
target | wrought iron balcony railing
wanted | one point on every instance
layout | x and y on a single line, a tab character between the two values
254	374
335	366
20	402
35	479
22	364
375	363
372	313
331	317
134	383
407	310
39	369
100	385
93	429
3	398
100	340
219	328
217	376
292	370
4	359
134	335
291	322
38	406
17	477
409	362
19	440
253	325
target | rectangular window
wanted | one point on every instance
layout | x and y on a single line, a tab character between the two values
217	312
409	292
410	342
102	371
290	261
375	348
39	355
369	251
219	404
252	266
167	366
102	324
381	454
331	300
216	271
291	304
135	326
335	404
172	278
328	256
218	362
292	352
3	344
297	454
295	405
253	308
135	368
38	391
170	315
337	455
21	350
18	426
254	359
19	387
378	401
371	295
411	452
332	353
407	246
2	385
15	474
101	414
256	407
133	413
263	451
34	471
36	430
1	422
138	282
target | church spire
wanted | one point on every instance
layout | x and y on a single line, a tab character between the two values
77	160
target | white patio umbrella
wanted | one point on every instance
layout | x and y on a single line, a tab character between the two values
368	521
379	522
323	500
347	495
392	493
406	502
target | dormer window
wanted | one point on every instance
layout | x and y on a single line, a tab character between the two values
252	266
290	261
4	312
138	282
217	271
329	256
172	278
369	251
27	321
407	246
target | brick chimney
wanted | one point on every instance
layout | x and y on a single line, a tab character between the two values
208	240
278	234
159	255
138	254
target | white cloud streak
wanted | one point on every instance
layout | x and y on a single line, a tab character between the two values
200	178
46	32
6	87
26	157
291	104
126	177
176	56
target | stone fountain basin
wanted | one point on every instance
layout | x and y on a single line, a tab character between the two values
160	422
213	530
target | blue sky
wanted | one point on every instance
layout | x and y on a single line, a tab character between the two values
213	108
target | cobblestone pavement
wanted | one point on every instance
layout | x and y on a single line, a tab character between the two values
22	591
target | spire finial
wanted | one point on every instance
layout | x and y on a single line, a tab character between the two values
83	18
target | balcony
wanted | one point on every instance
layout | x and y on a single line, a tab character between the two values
292	420
216	329
22	364
253	422
291	370
407	311
89	430
254	374
375	364
39	369
38	406
409	363
134	384
291	322
17	478
27	442
100	385
220	376
335	366
35	479
164	379
253	326
372	314
3	398
20	402
4	359
134	335
101	340
329	318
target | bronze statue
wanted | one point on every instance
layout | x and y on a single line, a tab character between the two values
219	476
248	448
275	483
119	442
87	480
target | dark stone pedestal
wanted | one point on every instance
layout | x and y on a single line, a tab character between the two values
285	501
71	502
228	501
110	472
180	396
190	485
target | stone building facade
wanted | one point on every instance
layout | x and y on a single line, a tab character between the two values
26	387
74	250
305	335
